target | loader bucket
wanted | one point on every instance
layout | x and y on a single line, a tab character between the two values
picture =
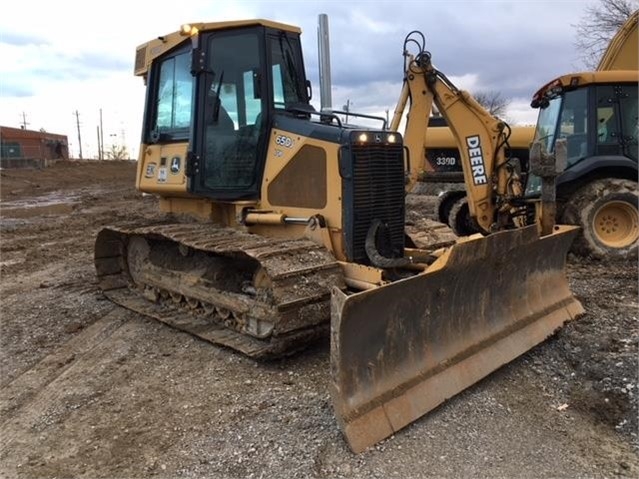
400	350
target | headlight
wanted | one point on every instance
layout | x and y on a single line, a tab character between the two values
187	30
363	138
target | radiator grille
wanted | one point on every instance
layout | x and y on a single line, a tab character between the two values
377	193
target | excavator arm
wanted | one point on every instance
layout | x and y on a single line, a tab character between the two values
491	179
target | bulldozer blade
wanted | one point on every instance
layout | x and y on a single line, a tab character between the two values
400	350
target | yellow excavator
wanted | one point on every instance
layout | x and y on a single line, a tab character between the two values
596	113
283	224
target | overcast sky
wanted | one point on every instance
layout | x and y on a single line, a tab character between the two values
61	56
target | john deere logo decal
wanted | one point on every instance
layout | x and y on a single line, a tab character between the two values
175	165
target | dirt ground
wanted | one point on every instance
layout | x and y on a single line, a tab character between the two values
90	390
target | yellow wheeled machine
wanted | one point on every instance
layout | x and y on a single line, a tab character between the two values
286	223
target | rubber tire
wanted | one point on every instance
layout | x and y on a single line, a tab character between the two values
586	203
459	219
443	207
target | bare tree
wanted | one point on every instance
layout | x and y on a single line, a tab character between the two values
597	27
117	152
493	102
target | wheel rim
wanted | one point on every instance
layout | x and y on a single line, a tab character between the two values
616	224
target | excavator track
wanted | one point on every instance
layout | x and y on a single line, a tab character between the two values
263	297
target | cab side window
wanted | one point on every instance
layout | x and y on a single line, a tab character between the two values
628	104
287	72
174	93
607	133
573	124
616	121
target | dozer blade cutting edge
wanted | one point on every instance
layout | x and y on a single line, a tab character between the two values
402	349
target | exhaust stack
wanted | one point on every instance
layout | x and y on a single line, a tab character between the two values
324	56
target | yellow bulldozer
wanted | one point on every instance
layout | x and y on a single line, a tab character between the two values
284	224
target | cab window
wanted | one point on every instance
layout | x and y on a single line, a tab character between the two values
233	112
175	93
288	79
629	107
573	124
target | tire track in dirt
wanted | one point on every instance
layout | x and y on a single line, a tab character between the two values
27	400
22	391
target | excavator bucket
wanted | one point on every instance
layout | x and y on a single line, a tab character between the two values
400	350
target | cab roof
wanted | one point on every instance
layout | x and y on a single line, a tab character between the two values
572	81
147	52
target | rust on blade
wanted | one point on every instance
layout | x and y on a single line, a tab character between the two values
400	350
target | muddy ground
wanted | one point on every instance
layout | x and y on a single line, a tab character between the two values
89	390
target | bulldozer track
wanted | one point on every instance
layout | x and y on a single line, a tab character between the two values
285	307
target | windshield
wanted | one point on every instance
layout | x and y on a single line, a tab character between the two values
547	123
565	117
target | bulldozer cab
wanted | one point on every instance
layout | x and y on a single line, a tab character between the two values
219	93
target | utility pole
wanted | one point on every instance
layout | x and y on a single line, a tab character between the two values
101	139
99	150
347	108
77	120
24	121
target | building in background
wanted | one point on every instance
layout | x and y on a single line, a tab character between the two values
20	147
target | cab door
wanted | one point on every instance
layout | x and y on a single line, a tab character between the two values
230	135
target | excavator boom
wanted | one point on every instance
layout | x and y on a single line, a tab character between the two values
621	53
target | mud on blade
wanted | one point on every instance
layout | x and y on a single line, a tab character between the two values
400	350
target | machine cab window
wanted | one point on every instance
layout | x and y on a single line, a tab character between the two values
629	106
608	135
172	108
289	89
573	124
566	117
233	111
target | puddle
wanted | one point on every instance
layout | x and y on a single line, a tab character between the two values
52	203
